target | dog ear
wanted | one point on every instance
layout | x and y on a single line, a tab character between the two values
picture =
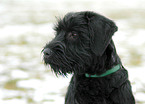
101	31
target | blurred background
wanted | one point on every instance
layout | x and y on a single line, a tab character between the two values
26	26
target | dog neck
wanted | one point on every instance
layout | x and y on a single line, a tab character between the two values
102	65
108	72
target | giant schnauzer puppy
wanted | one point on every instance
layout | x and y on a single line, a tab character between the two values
83	46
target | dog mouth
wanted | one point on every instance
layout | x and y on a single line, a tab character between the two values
54	58
58	63
57	66
61	62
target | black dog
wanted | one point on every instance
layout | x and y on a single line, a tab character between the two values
83	46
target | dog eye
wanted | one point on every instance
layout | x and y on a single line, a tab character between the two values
72	35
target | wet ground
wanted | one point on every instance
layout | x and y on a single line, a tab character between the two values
26	26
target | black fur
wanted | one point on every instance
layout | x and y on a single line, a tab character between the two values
83	44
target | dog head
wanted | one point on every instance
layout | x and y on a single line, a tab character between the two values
79	38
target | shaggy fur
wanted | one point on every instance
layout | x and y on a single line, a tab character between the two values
83	44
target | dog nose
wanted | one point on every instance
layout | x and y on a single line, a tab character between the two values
47	52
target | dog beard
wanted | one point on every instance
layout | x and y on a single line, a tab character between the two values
67	59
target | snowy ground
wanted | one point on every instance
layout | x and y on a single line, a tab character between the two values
26	26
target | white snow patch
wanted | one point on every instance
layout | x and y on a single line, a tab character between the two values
31	83
19	74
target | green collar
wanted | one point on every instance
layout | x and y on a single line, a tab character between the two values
108	72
